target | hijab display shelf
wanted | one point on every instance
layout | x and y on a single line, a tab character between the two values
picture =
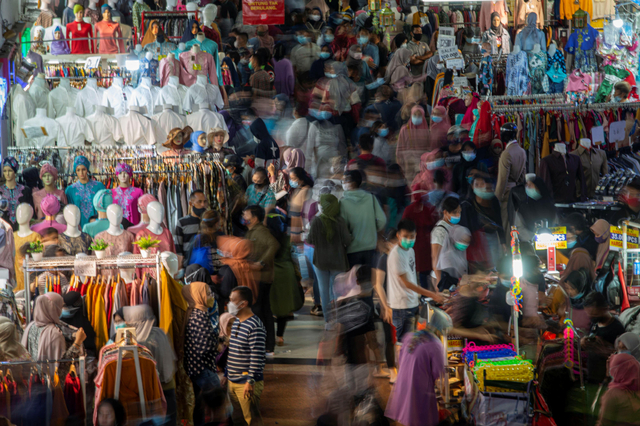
66	263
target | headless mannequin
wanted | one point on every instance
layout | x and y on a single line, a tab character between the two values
516	49
170	262
536	48
114	215
552	49
138	49
24	213
119	82
46	14
182	47
561	148
156	216
195	49
71	215
127	274
171	56
65	83
92	83
149	57
71	111
200	37
171	5
585	143
174	80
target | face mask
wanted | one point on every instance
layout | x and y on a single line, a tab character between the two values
315	18
293	183
616	99
363	40
121	325
432	165
329	75
303	40
383	132
198	212
357	56
329	38
455	219
250	66
416	120
235	44
407	243
66	313
461	246
474	40
313	112
244	221
346	186
436	119
483	51
233	308
602	239
324	115
338	20
572	244
506	283
325	55
485	195
469	156
632	202
470	179
417	36
533	193
244	61
404	46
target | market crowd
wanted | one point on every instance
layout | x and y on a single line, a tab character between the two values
353	188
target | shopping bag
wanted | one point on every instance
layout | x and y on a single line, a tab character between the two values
501	409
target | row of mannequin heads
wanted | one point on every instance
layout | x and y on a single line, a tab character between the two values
46	5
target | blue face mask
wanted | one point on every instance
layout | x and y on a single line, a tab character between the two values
303	40
416	120
470	179
383	132
244	221
436	119
329	38
483	51
469	156
572	244
313	112
338	20
324	115
293	183
506	283
66	313
363	40
616	99
474	40
533	193
455	220
483	194
121	325
329	75
379	82
325	55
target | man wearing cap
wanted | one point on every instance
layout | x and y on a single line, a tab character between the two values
82	192
101	201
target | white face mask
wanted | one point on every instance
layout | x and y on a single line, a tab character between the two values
233	308
235	44
346	186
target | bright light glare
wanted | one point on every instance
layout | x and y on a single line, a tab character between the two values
618	23
133	65
517	266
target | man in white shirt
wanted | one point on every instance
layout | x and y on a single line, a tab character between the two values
451	212
404	291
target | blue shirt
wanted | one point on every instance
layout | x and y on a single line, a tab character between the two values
149	68
589	36
372	50
81	194
96	227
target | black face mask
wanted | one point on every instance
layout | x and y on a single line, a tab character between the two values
198	212
417	36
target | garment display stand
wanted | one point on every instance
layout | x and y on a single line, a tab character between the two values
66	263
167	14
550	98
136	360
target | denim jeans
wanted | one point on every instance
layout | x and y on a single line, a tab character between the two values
325	283
404	320
206	380
308	253
556	87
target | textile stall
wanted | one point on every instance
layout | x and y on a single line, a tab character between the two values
173	24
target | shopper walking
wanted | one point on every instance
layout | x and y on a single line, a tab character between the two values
189	225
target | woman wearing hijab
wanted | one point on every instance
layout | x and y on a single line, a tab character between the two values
285	78
267	152
471	102
10	348
497	36
580	258
398	75
354	60
414	139
236	270
601	233
291	158
440	125
453	256
628	343
59	46
153	338
429	163
530	35
481	131
226	322
341	43
42	338
574	289
73	313
400	41
316	72
336	90
150	36
315	23
264	39
621	402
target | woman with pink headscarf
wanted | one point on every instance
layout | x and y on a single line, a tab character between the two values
440	125
471	102
143	202
413	141
429	163
291	157
49	176
621	402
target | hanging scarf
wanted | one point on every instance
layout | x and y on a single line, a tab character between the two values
330	210
235	252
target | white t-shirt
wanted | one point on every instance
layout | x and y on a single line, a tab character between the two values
439	233
401	262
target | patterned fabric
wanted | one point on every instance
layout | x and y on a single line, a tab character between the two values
34	338
12	196
149	68
517	74
11	162
136	11
256	197
486	75
127	198
19	242
200	344
124	167
81	195
117	243
582	44
81	160
160	49
556	67
246	350
75	245
537	72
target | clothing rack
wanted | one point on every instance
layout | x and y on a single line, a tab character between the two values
166	14
567	106
136	360
555	96
66	263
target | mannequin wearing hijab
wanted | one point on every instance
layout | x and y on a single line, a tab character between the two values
49	176
497	36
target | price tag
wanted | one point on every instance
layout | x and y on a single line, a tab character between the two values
448	53
551	259
92	62
85	268
460	81
34	132
446	31
455	64
597	135
445	41
616	131
197	67
161	57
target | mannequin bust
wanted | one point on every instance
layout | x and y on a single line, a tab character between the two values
536	48
24	213
148	56
182	47
585	143
170	261
72	217
45	19
93	4
202	80
156	216
125	195
561	148
174	80
200	37
11	190
49	176
171	56
516	49
138	49
195	49
552	48
171	5
127	274
114	215
119	82
81	29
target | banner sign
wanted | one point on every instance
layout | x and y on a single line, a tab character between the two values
557	240
262	12
615	241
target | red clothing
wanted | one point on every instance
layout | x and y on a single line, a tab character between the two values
79	30
214	35
106	31
425	217
369	158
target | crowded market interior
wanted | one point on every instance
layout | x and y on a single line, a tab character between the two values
319	212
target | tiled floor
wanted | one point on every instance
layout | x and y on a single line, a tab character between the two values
296	389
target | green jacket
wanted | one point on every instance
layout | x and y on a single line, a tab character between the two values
264	249
364	217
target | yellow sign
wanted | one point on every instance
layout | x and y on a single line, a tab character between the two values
615	241
197	67
557	240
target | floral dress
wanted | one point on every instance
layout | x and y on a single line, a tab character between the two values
81	194
517	74
582	44
537	72
13	196
75	245
486	75
127	198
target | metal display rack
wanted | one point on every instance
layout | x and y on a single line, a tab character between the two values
66	263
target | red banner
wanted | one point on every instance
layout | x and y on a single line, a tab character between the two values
262	12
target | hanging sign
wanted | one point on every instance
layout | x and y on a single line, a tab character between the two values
85	268
445	41
448	53
455	64
262	12
615	239
597	135
92	62
616	131
558	239
445	31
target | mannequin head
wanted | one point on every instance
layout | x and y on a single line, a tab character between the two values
50	206
106	12
182	46
143	202
45	4
9	169
125	174
138	48
24	213
48	174
81	166
155	28
217	138
171	5
78	11
195	29
155	212
209	13
71	215
170	261
114	215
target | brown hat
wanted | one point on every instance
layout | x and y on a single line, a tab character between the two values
215	131
175	139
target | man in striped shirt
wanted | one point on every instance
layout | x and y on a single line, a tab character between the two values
245	364
188	226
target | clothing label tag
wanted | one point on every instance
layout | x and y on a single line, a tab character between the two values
79	27
616	131
455	64
197	67
460	81
34	132
85	268
158	49
597	135
92	62
161	57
